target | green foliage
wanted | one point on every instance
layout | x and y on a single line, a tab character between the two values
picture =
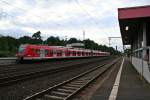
25	40
9	45
72	40
29	40
37	35
53	41
89	44
6	54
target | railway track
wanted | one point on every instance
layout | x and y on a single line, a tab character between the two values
13	70
67	89
4	81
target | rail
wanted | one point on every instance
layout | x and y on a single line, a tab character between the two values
67	89
8	60
7	80
143	53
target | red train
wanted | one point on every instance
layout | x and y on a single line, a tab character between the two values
30	52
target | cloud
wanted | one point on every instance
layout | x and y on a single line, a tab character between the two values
64	18
14	32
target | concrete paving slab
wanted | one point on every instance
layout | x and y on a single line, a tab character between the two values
131	86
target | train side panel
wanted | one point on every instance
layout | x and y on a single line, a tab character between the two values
46	52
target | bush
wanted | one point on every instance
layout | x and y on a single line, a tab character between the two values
6	54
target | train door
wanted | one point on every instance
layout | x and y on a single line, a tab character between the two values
54	53
63	53
42	53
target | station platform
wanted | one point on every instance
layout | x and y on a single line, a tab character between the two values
131	86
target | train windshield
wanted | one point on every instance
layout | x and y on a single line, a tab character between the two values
21	49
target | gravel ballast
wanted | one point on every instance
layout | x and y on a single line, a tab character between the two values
23	89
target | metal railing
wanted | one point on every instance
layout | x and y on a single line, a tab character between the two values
8	60
144	54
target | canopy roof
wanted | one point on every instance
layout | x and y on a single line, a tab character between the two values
130	20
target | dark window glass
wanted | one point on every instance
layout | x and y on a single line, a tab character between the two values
51	52
46	52
37	51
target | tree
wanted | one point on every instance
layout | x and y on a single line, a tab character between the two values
89	44
53	41
72	40
8	46
13	44
36	38
37	35
25	40
3	44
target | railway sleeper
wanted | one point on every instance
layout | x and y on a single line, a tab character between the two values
68	87
73	85
84	79
65	90
39	99
61	94
52	97
79	81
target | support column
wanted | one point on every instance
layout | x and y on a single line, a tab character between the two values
144	34
144	38
143	45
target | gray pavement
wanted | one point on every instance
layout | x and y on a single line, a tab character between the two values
131	86
104	91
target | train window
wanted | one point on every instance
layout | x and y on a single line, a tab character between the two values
78	53
37	51
21	50
46	52
51	52
68	52
74	53
54	52
82	53
59	52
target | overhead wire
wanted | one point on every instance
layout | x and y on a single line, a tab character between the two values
25	10
87	13
5	2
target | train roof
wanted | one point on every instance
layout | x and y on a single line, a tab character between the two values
61	48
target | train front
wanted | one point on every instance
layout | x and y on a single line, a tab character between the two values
21	52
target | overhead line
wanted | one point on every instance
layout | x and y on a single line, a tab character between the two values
77	2
5	2
19	8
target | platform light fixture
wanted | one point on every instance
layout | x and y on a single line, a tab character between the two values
127	28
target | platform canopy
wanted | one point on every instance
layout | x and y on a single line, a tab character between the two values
130	20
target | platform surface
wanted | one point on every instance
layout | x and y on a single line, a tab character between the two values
131	86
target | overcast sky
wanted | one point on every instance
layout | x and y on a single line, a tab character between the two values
64	18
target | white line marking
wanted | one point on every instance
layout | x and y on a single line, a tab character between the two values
114	90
